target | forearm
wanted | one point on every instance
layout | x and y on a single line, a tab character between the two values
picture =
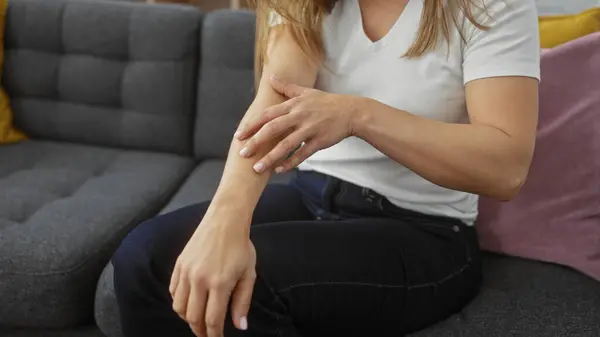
479	159
240	186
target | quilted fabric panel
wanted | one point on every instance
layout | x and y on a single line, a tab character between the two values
63	211
226	85
103	73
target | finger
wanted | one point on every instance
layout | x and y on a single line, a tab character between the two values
196	310
251	128
269	133
216	310
197	331
174	280
286	89
242	298
307	150
281	150
181	297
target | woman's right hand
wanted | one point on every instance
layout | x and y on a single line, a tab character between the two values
218	263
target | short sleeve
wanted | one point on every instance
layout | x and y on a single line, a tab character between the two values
511	45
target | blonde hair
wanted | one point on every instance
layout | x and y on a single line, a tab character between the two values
306	16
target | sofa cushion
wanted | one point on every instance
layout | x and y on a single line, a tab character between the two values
527	298
226	82
558	29
103	72
63	211
556	216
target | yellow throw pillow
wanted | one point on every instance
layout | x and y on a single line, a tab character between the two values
558	29
8	134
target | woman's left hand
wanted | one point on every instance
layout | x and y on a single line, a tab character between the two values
310	118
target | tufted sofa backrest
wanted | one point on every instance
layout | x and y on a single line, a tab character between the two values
103	73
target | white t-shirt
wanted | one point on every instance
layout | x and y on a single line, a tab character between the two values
431	86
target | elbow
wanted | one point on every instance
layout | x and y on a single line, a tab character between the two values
508	185
507	189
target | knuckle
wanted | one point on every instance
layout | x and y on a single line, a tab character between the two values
271	126
286	145
197	276
301	112
212	323
267	112
217	282
294	102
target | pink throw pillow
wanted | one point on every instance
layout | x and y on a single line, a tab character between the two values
556	217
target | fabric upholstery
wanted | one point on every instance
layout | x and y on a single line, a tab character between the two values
558	29
106	309
556	217
8	133
226	82
527	298
63	211
103	73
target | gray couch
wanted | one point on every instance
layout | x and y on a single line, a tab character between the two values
130	109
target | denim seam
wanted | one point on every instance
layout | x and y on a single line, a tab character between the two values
445	279
275	299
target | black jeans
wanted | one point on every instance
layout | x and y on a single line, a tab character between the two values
334	259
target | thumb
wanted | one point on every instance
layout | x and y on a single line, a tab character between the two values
288	90
242	298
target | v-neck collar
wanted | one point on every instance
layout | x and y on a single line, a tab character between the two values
381	43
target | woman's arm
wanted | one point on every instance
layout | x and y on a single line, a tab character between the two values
490	156
217	265
241	186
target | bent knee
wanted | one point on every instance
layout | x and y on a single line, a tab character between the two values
132	254
135	254
151	250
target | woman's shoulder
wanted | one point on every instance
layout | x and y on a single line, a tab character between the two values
490	13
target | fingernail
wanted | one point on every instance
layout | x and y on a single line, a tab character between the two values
244	323
237	134
279	169
259	167
244	152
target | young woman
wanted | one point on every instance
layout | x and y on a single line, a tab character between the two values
400	113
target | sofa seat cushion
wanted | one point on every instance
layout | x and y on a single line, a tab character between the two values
63	210
527	298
